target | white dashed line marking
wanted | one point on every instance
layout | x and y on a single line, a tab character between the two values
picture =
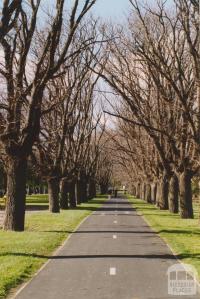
112	271
115	221
114	236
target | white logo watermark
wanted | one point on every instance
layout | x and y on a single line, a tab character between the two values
182	280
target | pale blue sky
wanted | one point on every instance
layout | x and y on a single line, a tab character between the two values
114	9
108	9
117	9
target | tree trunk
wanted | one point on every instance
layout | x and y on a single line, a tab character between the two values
148	193
16	194
35	190
41	189
82	190
164	191
104	188
64	189
173	194
143	191
79	191
85	190
45	190
72	195
28	190
158	194
133	189
153	192
53	190
92	189
185	186
138	190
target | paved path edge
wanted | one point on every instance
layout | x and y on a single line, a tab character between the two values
139	213
17	290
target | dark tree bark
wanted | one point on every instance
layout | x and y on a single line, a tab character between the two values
16	194
35	190
154	192
72	195
92	189
79	191
104	188
138	190
81	188
185	186
85	190
164	191
29	190
143	191
64	189
53	190
19	131
41	189
158	195
148	193
133	190
173	194
45	190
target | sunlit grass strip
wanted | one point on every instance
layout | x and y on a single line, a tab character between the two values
22	254
182	235
31	200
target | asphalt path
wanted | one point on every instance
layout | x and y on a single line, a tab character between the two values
113	254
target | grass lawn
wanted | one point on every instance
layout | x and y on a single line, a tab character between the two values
183	235
37	199
32	200
22	253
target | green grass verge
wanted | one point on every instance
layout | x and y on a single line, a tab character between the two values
182	235
23	253
37	199
31	200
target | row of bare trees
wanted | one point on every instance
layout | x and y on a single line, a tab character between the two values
49	115
49	119
153	68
